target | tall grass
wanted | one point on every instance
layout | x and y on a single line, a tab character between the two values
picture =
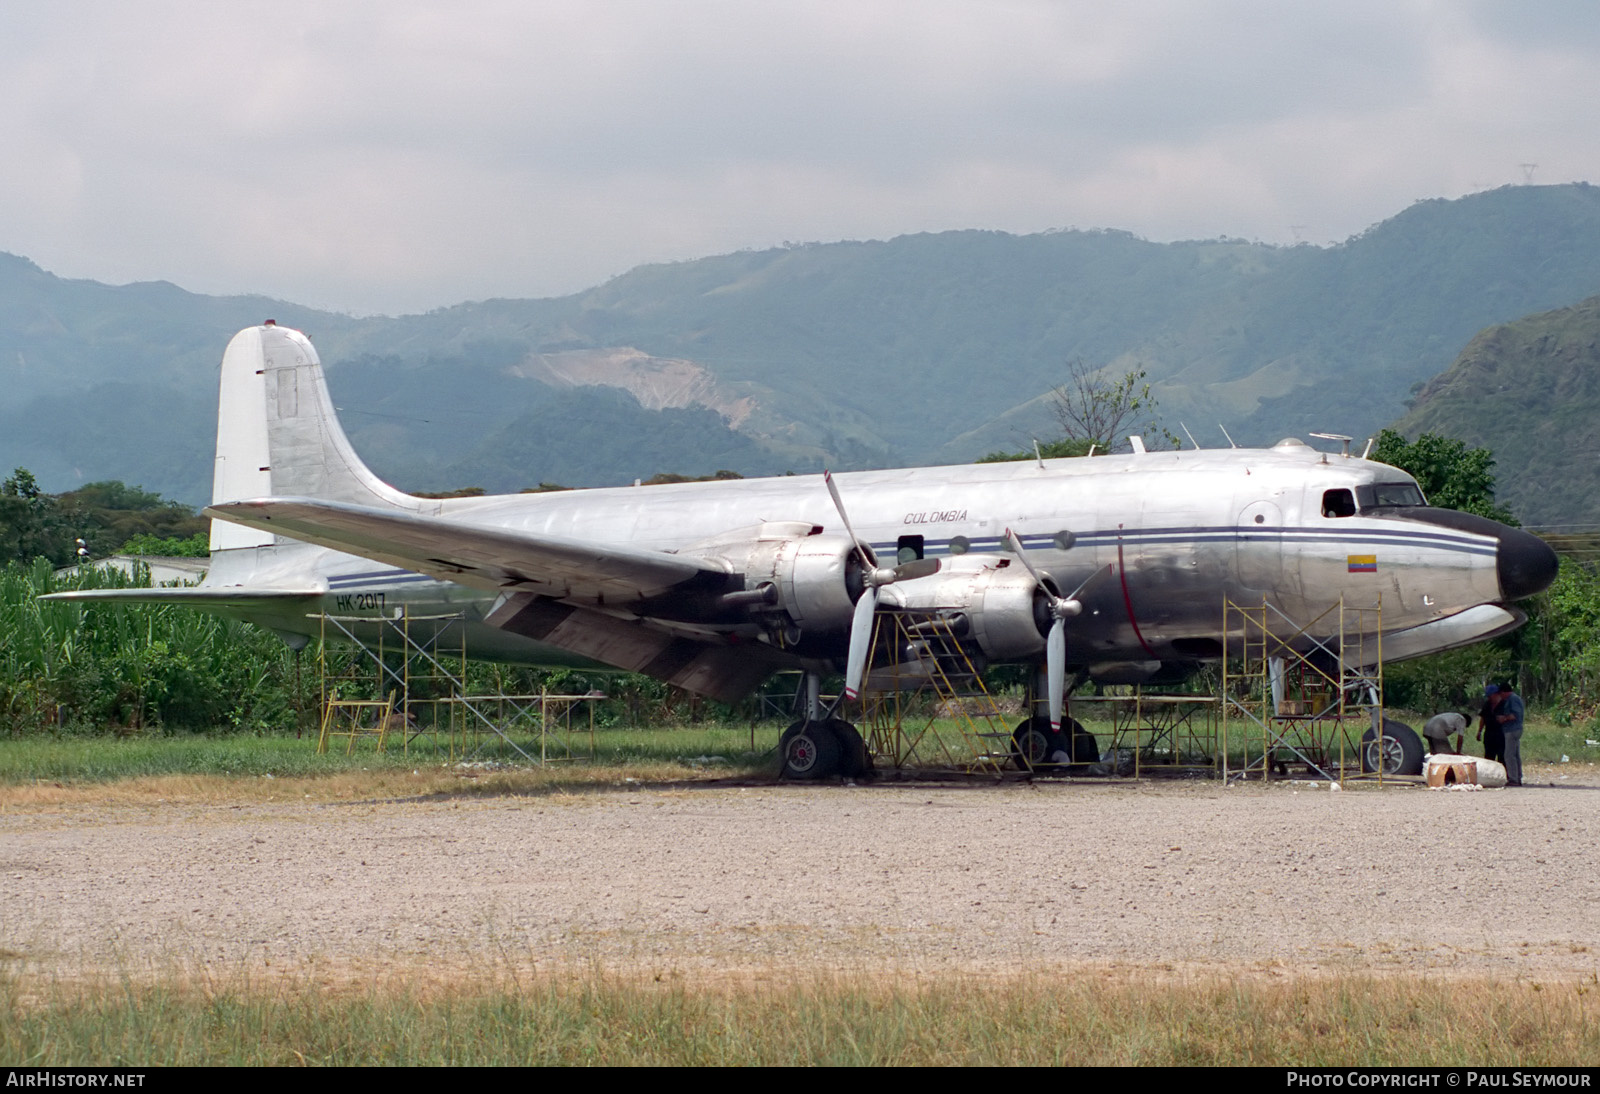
593	1018
109	667
75	667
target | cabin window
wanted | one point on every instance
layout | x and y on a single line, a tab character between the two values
908	549
1338	503
1388	495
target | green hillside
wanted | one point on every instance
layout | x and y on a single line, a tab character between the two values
1530	392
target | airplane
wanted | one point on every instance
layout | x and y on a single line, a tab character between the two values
715	586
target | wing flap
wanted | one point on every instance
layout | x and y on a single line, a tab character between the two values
481	556
726	672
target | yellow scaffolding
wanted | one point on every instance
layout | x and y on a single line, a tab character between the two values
1301	692
417	665
350	717
546	715
924	700
1160	731
419	662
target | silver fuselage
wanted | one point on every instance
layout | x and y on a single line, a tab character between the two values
1181	531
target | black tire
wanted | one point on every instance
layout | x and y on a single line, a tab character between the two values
786	736
1085	749
1402	750
854	760
809	751
1033	743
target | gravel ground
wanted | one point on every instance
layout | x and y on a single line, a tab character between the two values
1161	874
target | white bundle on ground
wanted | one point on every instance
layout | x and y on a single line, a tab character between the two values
1448	769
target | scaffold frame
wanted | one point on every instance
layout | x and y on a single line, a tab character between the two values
904	698
347	718
419	664
1331	665
1161	731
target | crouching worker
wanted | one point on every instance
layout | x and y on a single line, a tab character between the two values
1438	729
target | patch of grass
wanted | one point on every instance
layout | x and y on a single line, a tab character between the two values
1544	739
1087	1017
260	767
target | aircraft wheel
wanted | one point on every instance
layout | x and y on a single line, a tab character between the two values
810	751
1034	743
854	760
1085	749
1402	750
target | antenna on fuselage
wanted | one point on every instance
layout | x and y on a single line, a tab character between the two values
1340	437
1225	434
1186	433
1367	451
1037	454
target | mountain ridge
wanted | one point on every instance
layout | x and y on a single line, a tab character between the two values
928	348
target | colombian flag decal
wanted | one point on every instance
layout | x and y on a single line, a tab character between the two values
1363	564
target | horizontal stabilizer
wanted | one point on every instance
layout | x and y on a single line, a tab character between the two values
193	598
485	557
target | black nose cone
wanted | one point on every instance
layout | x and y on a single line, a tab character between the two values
1526	564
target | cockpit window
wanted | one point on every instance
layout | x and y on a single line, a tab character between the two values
1388	494
1338	503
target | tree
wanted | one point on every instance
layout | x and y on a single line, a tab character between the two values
1095	414
1092	408
31	522
1451	475
195	546
105	515
21	484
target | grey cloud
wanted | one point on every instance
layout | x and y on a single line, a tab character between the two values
399	155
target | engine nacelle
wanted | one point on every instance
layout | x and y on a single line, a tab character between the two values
791	567
1005	613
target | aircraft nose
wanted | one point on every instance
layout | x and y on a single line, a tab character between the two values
1525	563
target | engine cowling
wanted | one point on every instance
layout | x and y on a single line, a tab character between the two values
1004	611
793	568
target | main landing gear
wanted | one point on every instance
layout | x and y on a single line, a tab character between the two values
1037	747
816	750
818	746
1400	752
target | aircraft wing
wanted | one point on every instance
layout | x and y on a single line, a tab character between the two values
489	557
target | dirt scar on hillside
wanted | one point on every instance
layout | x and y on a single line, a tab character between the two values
831	878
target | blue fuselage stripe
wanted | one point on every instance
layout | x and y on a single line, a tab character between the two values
1444	541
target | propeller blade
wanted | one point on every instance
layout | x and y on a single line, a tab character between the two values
920	567
860	640
838	503
1073	595
1056	667
1062	608
1014	545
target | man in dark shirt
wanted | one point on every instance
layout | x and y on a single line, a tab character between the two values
1494	741
1508	711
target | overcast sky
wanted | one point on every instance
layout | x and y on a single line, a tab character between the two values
396	156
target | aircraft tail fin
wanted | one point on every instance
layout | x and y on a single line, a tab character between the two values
278	434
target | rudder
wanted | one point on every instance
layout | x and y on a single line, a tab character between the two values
278	434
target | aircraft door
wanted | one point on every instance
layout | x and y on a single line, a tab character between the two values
1258	547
